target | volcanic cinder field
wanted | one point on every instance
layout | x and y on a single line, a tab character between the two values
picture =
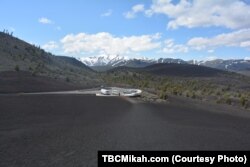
68	130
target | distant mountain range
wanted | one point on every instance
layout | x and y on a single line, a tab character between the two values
18	55
110	61
116	61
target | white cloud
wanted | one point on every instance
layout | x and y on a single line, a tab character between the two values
51	45
135	9
245	44
240	38
233	14
210	51
106	43
138	8
107	13
45	20
170	47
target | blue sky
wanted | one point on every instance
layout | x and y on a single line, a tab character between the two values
186	29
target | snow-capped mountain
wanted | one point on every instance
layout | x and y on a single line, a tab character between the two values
117	60
104	60
231	65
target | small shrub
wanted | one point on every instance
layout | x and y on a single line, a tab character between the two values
219	100
193	95
246	105
175	91
17	68
163	96
229	101
187	94
218	93
239	94
243	101
67	79
145	84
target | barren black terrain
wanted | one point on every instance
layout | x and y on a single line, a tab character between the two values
68	130
16	82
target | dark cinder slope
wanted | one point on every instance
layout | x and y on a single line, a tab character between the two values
15	82
18	55
174	70
68	130
182	70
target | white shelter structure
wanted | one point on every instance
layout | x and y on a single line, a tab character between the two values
114	91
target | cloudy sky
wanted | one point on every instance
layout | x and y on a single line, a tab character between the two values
186	29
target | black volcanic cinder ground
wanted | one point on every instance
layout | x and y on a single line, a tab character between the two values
22	81
68	130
